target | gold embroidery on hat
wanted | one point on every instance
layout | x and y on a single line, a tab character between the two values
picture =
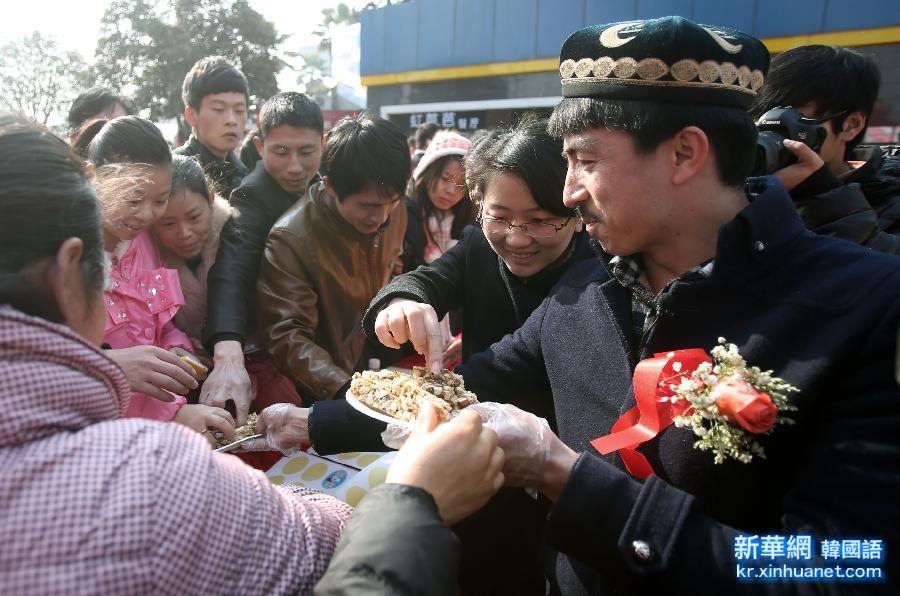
710	71
609	38
649	69
567	68
625	68
729	73
603	66
717	36
757	80
584	67
612	81
685	70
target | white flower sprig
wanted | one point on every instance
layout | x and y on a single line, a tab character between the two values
715	431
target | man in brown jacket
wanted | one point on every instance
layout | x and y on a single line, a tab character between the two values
328	256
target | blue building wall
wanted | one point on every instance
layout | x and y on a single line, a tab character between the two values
422	34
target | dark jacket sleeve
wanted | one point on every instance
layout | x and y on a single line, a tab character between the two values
231	283
511	370
441	284
336	427
845	487
831	208
395	543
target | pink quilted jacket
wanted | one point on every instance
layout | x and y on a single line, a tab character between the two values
96	505
140	304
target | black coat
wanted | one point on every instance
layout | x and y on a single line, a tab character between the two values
394	543
821	312
226	174
500	542
414	241
863	207
231	284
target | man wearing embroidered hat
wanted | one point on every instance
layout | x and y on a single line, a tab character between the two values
659	144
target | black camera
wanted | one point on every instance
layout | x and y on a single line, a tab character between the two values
775	126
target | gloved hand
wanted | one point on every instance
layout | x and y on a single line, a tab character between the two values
286	428
525	439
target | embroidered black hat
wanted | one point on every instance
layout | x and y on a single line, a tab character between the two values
669	59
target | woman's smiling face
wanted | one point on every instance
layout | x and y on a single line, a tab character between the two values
127	216
508	197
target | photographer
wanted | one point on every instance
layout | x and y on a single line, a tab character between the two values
843	190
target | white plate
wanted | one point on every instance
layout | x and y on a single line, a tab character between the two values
363	408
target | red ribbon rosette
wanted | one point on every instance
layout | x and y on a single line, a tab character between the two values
654	411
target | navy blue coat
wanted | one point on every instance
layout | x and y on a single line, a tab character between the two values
822	313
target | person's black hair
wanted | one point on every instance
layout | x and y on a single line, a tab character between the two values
248	153
526	150
127	139
731	132
46	199
365	152
291	108
83	138
837	80
187	174
210	75
463	212
425	133
93	102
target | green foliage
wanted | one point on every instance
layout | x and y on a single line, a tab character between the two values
38	79
334	17
146	47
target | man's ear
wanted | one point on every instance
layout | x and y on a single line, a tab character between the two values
258	143
853	124
690	153
190	114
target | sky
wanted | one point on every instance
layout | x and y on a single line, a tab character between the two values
76	24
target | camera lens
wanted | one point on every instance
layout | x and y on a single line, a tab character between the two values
770	153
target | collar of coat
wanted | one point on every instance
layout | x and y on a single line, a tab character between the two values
195	147
53	380
318	194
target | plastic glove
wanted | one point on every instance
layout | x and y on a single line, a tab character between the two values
395	435
285	426
525	439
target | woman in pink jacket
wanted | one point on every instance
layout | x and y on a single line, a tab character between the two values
133	177
93	504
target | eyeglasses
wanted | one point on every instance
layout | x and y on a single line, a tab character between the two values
497	226
449	179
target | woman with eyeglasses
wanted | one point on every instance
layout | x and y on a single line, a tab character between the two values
501	269
498	273
437	212
438	209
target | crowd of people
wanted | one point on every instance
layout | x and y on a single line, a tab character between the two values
152	299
